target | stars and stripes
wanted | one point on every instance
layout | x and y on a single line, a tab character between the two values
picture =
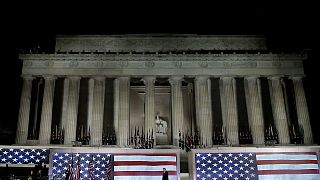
144	166
24	156
260	165
288	165
95	164
225	166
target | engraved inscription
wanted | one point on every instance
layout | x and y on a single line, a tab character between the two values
27	63
276	64
98	64
203	64
149	64
178	64
73	64
49	63
124	64
227	64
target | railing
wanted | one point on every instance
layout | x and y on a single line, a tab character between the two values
83	136
186	141
143	140
109	139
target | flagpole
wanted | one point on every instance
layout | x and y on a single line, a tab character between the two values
77	169
72	166
91	168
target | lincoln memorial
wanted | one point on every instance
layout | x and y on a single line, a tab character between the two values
196	83
170	89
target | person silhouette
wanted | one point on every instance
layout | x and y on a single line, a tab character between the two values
68	173
165	175
31	175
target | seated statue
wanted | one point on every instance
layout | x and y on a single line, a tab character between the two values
164	126
161	125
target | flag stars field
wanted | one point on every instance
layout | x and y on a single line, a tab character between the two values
24	156
260	165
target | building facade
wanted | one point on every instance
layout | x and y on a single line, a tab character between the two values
110	89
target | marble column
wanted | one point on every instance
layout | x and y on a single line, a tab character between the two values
230	108
124	122
302	109
177	108
46	114
203	111
90	103
190	110
97	111
64	115
279	110
255	110
23	121
72	112
149	121
223	111
210	110
36	107
116	106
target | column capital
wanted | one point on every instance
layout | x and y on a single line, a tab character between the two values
175	79
123	77
227	77
148	79
27	77
253	77
98	77
49	77
297	77
74	77
201	77
275	77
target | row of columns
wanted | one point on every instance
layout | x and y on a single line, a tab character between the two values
202	103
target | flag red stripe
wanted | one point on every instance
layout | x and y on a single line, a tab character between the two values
147	163
141	154
312	153
260	162
296	171
142	173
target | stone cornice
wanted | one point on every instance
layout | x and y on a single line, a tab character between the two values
163	57
158	42
162	65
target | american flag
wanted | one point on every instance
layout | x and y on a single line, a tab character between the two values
101	162
288	165
262	166
144	166
24	156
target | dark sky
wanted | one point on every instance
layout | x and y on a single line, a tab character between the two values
287	26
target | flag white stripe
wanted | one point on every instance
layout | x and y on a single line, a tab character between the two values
285	157
145	168
290	177
143	178
144	158
287	166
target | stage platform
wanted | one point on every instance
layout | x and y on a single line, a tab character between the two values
183	164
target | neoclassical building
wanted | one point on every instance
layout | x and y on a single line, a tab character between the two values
163	86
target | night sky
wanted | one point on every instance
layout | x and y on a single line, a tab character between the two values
287	26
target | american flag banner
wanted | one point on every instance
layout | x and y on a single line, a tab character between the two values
144	166
86	164
24	156
254	166
288	165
